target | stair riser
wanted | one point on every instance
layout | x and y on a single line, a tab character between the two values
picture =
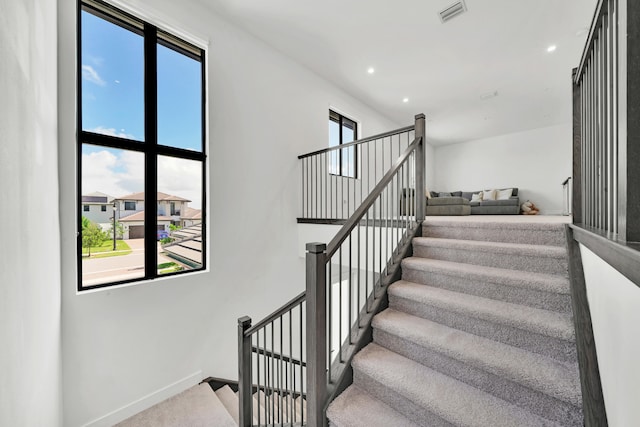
483	288
401	404
523	236
535	401
498	260
555	348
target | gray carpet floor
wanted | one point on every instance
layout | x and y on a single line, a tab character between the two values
478	332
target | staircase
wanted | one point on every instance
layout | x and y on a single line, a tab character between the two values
200	406
478	332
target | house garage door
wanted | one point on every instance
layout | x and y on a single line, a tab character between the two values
136	231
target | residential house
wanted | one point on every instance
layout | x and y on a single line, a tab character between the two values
130	212
98	207
273	71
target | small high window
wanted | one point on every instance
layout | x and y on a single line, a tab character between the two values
85	208
342	130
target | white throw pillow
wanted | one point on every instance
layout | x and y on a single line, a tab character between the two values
489	195
476	197
504	194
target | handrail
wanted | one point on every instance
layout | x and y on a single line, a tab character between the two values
353	221
358	142
595	24
276	314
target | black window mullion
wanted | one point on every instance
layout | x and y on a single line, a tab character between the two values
151	152
203	207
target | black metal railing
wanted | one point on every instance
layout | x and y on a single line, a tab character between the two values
292	363
597	89
328	195
347	278
272	368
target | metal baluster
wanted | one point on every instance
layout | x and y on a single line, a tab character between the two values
358	283
292	385
273	377
340	304
280	354
301	363
326	194
366	263
266	377
350	287
330	315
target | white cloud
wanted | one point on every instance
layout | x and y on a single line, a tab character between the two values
89	74
119	172
111	132
102	171
180	177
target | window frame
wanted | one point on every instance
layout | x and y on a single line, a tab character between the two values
153	36
340	119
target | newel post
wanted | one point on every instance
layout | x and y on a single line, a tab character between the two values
421	200
316	333
244	372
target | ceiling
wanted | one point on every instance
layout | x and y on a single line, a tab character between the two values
444	69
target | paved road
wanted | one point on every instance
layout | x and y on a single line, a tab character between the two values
111	269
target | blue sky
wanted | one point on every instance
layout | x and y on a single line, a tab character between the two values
113	86
113	104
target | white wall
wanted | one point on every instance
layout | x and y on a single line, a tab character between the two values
614	302
30	370
153	339
535	161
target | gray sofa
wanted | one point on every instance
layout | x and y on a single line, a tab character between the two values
509	206
459	203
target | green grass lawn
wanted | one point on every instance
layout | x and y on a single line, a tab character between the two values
106	249
169	267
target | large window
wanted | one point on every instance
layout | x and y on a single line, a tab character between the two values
141	140
342	130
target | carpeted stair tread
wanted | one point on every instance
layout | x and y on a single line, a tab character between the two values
516	278
230	401
543	322
536	233
195	407
452	401
494	247
356	408
556	379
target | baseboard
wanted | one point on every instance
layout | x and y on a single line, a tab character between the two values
147	401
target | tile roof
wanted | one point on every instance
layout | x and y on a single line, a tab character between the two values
160	197
191	213
139	216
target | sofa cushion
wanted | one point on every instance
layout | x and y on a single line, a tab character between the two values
489	195
443	194
433	193
456	193
476	197
504	194
467	195
442	201
509	202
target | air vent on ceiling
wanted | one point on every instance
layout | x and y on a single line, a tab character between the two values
452	11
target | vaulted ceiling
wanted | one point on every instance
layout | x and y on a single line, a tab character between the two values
448	70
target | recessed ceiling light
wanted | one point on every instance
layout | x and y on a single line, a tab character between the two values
405	100
371	70
551	48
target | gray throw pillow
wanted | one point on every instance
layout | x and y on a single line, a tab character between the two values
444	195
